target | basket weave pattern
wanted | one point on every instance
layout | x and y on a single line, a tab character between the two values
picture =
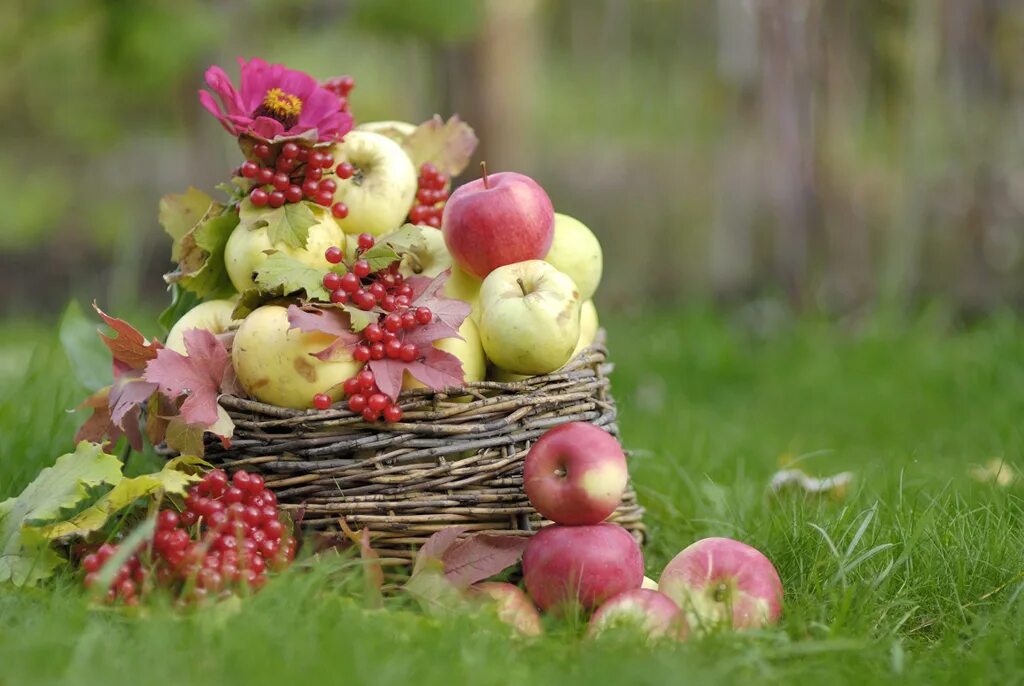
456	458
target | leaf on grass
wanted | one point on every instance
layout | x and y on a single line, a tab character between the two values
481	556
995	471
331	321
180	212
437	369
835	486
131	350
169	480
285	274
288	224
198	376
23	557
434	593
380	256
449	145
201	268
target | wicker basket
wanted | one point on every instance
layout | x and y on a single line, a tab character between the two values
455	458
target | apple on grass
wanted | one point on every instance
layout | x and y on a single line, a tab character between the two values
383	187
719	581
247	248
275	363
649	612
576	252
575	474
212	315
581	565
497	220
529	317
513	606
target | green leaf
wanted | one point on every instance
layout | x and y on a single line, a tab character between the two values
289	224
360	318
201	265
90	359
179	214
281	271
380	256
252	299
408	239
181	302
170	480
64	485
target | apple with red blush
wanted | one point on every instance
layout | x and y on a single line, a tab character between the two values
513	606
651	613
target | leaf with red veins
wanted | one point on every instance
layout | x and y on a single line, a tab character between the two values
130	348
198	376
326	320
427	292
436	369
100	429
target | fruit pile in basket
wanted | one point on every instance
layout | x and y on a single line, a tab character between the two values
342	268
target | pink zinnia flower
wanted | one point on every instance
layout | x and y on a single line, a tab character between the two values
275	103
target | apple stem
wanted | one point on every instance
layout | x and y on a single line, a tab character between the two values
483	168
522	285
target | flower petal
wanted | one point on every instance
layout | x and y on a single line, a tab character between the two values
219	82
207	101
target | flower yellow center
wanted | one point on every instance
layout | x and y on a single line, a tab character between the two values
283	105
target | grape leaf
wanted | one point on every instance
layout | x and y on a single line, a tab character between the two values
130	348
449	145
328	320
179	214
198	376
408	239
380	256
99	427
288	224
427	292
285	274
24	558
437	369
201	268
481	556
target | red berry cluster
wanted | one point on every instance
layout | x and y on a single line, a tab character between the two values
341	87
291	173
227	537
430	197
366	290
365	398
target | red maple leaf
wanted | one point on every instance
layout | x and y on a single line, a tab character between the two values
331	321
129	392
436	368
129	348
99	428
481	556
426	292
198	376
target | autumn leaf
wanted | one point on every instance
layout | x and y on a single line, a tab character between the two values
481	556
129	392
428	292
331	321
436	369
283	273
288	224
437	545
130	349
25	556
197	376
99	428
449	145
180	212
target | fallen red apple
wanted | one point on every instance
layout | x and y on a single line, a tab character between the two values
581	564
575	474
514	607
650	612
719	581
497	220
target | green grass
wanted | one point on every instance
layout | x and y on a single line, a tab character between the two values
915	577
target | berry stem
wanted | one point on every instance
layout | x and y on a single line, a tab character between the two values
483	168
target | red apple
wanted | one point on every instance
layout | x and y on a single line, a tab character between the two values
582	564
497	220
721	581
648	611
575	474
514	607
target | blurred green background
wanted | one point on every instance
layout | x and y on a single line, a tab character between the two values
827	156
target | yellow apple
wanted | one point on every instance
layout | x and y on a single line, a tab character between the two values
576	251
427	256
588	326
529	317
380	193
247	246
468	350
463	286
213	315
275	363
502	376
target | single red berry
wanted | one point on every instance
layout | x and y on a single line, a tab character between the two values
217	481
332	280
376	289
314	173
392	414
406	290
402	301
324	197
264	176
328	161
321	401
339	296
373	332
350	283
408	352
329	185
393	322
276	199
334	255
189	518
339	210
388	279
345	170
293	194
428	170
408	319
418	215
91	563
286	165
290	150
310	187
250	169
366	241
361	353
393	349
369	415
303	154
377	351
367	381
387	303
377	402
357	402
273	529
261	150
259	197
361	268
389	336
425	196
316	159
281	181
351	386
434	221
241	480
167	520
424	315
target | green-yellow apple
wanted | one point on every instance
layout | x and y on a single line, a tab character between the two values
275	363
505	376
588	327
464	287
212	315
651	613
529	317
575	251
575	474
426	256
497	220
395	130
467	349
381	191
247	248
